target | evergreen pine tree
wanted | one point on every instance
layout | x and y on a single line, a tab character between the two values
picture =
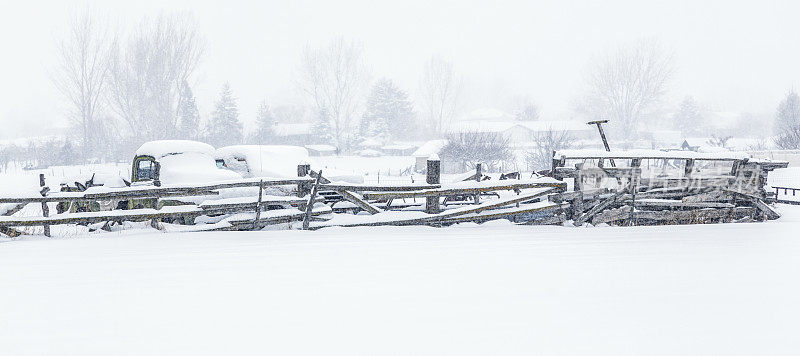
688	118
188	115
225	129
265	121
392	106
322	128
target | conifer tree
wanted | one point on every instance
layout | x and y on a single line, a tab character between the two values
389	112
322	127
225	129
265	121
188	115
688	118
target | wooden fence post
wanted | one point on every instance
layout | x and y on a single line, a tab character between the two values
478	173
310	205
258	204
303	170
433	176
45	209
634	186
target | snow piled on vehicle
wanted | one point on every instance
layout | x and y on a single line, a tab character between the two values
192	167
273	161
158	149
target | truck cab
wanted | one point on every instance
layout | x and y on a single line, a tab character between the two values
177	162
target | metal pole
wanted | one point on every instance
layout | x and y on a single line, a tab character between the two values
599	124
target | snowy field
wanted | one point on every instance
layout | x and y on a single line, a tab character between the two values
495	289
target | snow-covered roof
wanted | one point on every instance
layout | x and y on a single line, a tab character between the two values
502	126
429	148
398	147
697	141
293	129
321	148
372	142
481	126
541	126
487	114
369	153
726	155
159	149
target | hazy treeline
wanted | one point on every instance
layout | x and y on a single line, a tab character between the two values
128	87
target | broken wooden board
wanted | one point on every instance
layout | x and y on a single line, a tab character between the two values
555	219
514	214
471	188
246	221
666	203
695	216
420	218
244	203
359	201
378	188
758	203
610	215
101	216
134	192
603	204
8	211
711	196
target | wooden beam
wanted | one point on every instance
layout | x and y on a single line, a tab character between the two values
597	208
310	206
460	191
359	201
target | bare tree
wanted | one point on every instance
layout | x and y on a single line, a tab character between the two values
628	83
719	141
82	75
787	122
335	77
149	71
541	156
441	93
471	148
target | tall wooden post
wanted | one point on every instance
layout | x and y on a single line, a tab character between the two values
310	205
258	204
303	170
45	209
634	186
478	174
433	176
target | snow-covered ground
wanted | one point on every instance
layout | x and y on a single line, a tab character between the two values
493	289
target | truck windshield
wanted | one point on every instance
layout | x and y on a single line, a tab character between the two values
145	170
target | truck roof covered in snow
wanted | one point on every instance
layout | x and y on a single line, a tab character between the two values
274	161
162	148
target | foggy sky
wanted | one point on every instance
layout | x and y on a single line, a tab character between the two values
733	56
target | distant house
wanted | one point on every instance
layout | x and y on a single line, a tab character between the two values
399	150
515	131
294	133
426	150
321	150
692	144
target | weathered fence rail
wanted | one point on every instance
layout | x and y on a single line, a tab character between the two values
786	191
628	193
